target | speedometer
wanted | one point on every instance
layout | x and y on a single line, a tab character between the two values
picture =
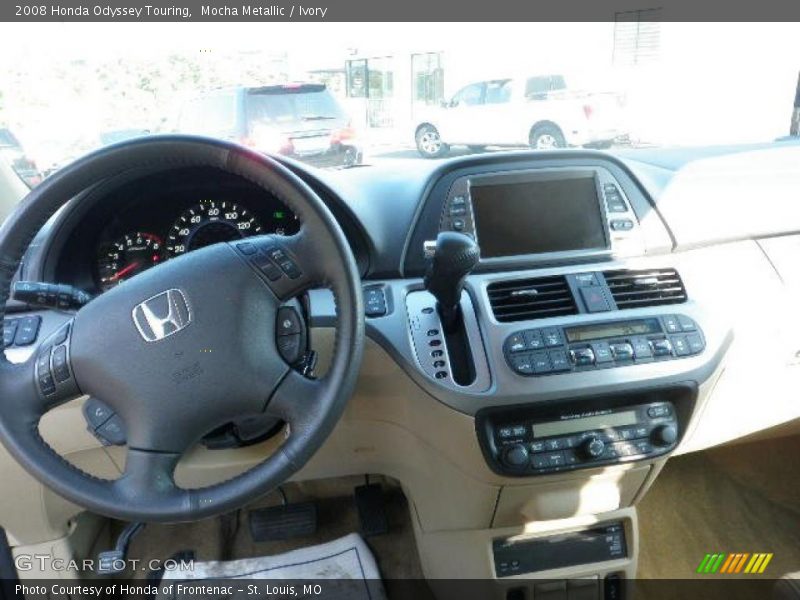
209	222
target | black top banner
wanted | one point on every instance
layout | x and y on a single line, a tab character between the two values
395	10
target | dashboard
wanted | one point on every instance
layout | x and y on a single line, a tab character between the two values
626	308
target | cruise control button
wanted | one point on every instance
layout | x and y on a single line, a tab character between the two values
46	383
289	347
288	321
43	362
284	262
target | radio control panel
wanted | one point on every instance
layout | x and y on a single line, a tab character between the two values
602	345
531	446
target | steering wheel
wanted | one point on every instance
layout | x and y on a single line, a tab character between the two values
186	346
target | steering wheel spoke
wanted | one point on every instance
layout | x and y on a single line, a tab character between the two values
149	475
295	401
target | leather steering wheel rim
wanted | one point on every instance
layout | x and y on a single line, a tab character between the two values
244	303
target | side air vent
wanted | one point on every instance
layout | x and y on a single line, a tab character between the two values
538	298
635	289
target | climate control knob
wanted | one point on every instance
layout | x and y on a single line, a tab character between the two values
515	456
664	435
593	447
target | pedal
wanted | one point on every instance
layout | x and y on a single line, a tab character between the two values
113	562
283	522
371	509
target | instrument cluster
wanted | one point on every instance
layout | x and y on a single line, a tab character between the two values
152	232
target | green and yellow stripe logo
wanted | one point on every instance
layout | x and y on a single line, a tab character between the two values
737	562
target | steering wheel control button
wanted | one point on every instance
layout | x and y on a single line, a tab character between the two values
288	321
284	262
61	336
27	330
9	331
374	301
112	432
267	267
289	347
247	248
60	365
96	413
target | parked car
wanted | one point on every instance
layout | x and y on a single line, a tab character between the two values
300	120
540	111
12	151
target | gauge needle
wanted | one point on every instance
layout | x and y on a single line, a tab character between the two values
125	271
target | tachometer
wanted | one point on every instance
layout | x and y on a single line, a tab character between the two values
127	256
209	222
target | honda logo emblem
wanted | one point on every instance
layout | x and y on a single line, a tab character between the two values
162	315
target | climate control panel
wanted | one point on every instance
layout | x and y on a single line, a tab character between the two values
522	445
600	345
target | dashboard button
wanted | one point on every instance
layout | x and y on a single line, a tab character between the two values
659	410
516	343
681	345
621	224
582	357
602	352
458	210
641	349
533	339
622	351
695	342
686	323
661	347
522	364
458	200
594	299
541	362
671	324
552	337
559	361
537	446
458	224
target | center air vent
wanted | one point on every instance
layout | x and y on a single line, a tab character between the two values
537	298
636	289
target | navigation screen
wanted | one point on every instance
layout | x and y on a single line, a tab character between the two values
552	215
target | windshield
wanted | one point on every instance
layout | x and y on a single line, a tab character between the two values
338	95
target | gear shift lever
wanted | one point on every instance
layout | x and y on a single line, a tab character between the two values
452	259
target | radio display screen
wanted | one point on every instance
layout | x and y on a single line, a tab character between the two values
618	419
600	331
547	215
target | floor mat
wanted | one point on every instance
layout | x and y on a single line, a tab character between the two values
740	498
347	560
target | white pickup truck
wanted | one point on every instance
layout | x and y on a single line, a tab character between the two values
539	111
